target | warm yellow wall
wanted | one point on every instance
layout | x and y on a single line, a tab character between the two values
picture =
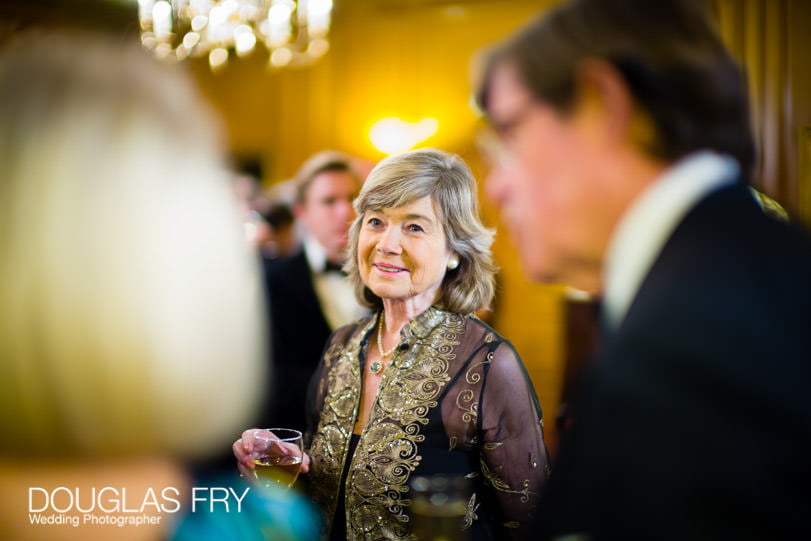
412	62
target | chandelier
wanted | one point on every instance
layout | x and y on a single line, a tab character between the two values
294	32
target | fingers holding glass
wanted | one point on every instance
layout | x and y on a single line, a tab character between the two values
276	455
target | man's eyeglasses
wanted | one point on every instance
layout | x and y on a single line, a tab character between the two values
492	140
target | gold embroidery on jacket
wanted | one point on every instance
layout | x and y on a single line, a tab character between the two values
330	442
388	451
470	512
493	477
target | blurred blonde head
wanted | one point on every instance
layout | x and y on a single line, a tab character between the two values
130	315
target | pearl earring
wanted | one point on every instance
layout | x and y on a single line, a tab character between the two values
453	261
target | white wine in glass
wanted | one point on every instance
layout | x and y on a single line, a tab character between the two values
438	507
277	469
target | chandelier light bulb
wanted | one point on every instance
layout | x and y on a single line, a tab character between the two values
293	33
162	19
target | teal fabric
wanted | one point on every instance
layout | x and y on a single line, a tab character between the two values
265	515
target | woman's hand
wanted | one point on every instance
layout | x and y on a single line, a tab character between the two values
256	443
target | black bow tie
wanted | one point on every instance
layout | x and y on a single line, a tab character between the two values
329	266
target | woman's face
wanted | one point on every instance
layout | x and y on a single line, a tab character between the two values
402	252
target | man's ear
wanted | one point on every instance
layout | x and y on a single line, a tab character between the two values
601	90
298	210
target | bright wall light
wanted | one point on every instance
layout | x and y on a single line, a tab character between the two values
391	135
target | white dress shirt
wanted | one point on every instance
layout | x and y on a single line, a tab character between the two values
651	219
334	291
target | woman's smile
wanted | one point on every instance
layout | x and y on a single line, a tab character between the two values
389	269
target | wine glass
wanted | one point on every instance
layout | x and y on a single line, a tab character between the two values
280	465
439	504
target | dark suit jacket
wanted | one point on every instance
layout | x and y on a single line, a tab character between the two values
299	331
695	420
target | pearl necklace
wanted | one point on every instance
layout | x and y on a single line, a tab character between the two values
376	366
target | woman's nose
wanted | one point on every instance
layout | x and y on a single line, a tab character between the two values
389	241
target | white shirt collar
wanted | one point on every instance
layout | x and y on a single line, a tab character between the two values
651	219
315	253
335	293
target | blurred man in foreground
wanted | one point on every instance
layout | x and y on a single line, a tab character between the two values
622	161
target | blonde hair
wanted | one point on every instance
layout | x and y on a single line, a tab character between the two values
131	316
403	178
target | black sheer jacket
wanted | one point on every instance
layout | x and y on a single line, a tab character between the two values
454	399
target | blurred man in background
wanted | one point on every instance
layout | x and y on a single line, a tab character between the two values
309	294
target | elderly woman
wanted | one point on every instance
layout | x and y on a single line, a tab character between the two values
422	386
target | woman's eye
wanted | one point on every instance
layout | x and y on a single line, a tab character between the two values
414	228
374	222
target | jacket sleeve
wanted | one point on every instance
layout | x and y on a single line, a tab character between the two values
514	459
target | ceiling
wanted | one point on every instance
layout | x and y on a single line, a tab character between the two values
122	14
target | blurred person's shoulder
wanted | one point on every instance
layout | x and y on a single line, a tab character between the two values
253	514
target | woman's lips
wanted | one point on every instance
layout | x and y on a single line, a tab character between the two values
386	267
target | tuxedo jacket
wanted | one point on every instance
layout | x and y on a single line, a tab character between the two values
298	332
694	421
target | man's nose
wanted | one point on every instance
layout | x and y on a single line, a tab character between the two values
495	185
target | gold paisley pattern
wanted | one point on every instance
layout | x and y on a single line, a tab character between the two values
328	449
388	453
470	512
494	478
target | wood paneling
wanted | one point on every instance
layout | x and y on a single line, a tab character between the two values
771	39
